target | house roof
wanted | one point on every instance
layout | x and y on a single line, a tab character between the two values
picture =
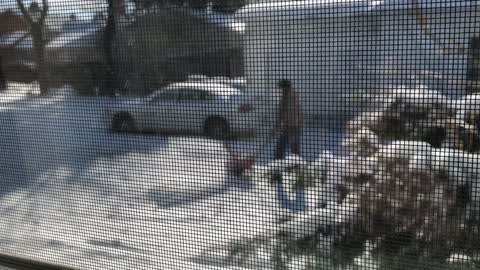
337	8
324	8
26	43
428	4
219	19
86	39
79	25
17	39
216	88
180	32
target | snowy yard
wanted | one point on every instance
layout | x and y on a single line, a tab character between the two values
75	193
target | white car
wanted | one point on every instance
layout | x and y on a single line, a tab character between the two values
215	109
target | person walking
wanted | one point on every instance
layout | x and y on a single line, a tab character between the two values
289	125
290	121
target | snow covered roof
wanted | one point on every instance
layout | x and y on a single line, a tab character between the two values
325	8
13	38
219	19
212	87
79	26
26	43
428	4
87	39
336	8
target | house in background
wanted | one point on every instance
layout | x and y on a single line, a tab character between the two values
15	47
358	49
169	44
16	44
75	54
11	21
151	49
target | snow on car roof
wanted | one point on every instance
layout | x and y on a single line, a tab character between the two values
238	82
214	88
87	39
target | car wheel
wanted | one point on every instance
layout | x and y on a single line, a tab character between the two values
217	128
123	123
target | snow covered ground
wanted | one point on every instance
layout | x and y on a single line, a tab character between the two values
75	193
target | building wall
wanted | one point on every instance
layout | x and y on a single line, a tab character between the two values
319	59
336	62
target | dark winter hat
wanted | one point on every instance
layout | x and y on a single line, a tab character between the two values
284	84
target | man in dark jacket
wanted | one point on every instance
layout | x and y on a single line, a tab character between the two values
290	121
290	124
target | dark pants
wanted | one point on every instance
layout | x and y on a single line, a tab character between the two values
289	136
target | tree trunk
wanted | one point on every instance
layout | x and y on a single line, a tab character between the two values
3	80
473	73
110	81
39	51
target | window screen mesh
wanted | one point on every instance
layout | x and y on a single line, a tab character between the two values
240	134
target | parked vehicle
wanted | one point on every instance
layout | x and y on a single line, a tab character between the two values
214	109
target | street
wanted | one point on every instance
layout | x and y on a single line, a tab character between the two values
75	192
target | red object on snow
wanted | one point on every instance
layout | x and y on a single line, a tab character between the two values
239	164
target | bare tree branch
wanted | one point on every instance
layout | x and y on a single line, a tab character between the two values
24	11
37	33
44	11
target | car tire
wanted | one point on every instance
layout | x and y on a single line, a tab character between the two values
123	123
217	128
